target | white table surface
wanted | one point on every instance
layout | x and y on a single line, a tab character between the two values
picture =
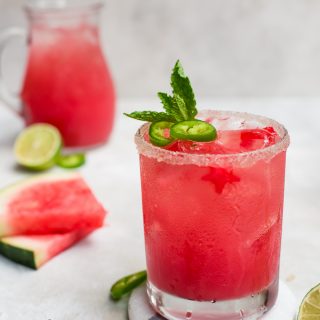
75	284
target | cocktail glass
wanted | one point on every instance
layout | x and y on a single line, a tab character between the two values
212	221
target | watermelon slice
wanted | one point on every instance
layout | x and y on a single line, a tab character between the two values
47	204
34	251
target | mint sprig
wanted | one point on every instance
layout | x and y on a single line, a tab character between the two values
179	106
178	116
182	90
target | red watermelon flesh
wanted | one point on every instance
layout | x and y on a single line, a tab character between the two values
48	204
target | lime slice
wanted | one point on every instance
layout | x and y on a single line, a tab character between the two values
71	160
37	146
310	306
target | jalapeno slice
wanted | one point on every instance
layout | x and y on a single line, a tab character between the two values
195	130
159	133
71	161
127	284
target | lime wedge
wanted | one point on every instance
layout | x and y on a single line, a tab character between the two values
310	306
71	161
37	146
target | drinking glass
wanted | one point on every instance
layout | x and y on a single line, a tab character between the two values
212	224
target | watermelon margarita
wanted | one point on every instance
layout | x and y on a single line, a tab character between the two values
212	218
67	82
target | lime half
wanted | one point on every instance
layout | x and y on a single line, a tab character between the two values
37	146
310	306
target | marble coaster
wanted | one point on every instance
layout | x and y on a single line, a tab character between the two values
285	308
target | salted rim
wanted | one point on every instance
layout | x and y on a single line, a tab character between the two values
242	159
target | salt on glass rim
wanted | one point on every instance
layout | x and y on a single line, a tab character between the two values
243	159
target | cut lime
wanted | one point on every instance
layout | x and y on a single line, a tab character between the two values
310	306
38	146
71	160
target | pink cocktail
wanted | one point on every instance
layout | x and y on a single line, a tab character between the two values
212	219
67	81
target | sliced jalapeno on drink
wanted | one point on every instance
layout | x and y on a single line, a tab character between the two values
159	133
195	130
127	284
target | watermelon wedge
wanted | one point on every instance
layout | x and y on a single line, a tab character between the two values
47	204
34	251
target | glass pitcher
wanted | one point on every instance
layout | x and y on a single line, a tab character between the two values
67	82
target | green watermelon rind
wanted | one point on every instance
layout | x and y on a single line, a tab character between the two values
8	193
34	251
22	256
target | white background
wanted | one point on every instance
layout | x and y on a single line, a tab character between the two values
231	48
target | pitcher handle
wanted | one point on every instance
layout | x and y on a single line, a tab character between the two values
10	99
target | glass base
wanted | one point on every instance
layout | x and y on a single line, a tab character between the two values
247	308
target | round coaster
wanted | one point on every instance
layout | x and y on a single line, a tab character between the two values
285	308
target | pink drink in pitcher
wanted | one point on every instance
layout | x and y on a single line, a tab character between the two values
67	82
68	85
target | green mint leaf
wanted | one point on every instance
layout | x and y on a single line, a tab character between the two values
175	111
181	106
181	86
150	116
171	107
166	101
